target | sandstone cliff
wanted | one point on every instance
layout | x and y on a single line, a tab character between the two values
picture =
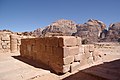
114	32
90	31
60	27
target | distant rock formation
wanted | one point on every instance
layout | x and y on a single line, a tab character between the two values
37	32
5	30
113	32
60	27
90	31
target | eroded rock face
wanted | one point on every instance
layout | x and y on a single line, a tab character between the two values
114	32
90	31
60	27
37	32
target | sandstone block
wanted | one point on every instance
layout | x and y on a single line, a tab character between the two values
32	41
83	60
67	41
56	68
74	66
73	50
86	49
79	43
56	56
48	50
6	38
66	68
13	43
0	46
97	55
40	41
34	48
68	60
91	47
81	49
61	51
78	57
51	41
4	43
23	49
29	52
87	55
6	50
90	60
4	46
45	58
38	56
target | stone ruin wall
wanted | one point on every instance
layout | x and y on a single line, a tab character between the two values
108	48
10	42
62	53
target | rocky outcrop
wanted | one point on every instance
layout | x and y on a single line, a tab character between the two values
114	32
90	31
37	32
60	27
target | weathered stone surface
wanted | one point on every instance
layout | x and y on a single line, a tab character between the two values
37	32
113	33
51	41
83	60
67	41
91	47
81	49
63	52
79	41
97	55
73	50
62	27
68	60
66	68
90	31
3	43
74	66
13	43
5	37
86	49
78	57
60	52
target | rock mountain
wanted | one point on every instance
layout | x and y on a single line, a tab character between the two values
90	32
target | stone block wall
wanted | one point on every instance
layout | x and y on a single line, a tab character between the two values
108	48
5	42
10	42
60	53
56	52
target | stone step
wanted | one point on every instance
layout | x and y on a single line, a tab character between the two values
104	73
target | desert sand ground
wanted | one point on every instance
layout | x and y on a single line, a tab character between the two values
13	67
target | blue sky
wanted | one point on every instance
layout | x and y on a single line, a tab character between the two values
28	15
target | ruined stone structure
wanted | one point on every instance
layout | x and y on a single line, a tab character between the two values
106	48
4	42
60	53
10	42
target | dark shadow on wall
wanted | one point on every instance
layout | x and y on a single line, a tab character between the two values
105	71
